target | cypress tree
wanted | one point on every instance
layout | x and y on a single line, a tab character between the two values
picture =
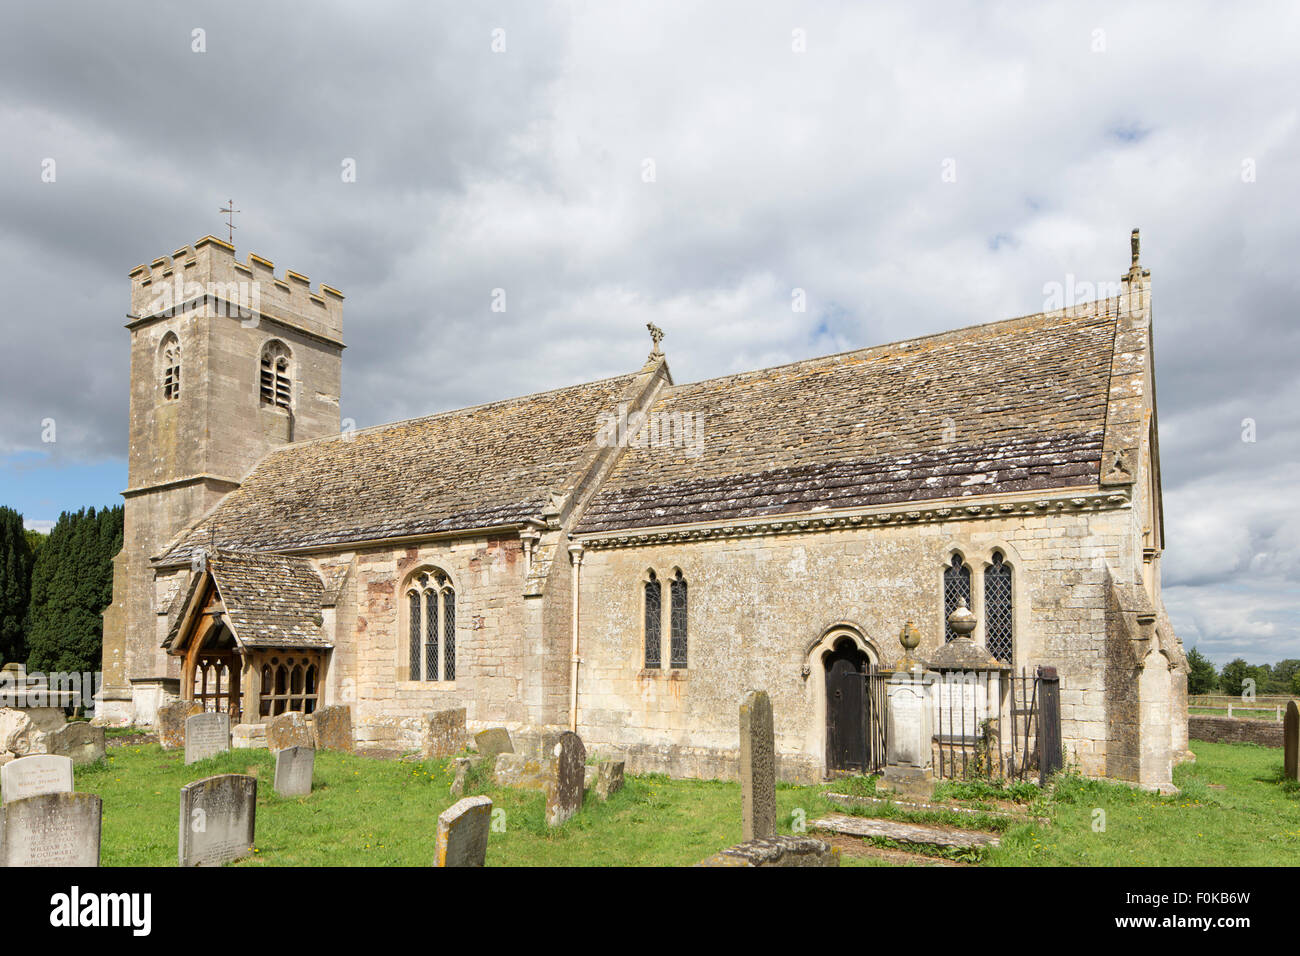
15	585
72	583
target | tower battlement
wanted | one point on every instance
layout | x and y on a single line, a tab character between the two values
210	267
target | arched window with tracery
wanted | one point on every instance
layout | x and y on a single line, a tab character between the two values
276	384
998	616
677	621
431	627
956	591
653	626
170	356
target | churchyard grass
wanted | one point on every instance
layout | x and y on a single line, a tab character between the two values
384	813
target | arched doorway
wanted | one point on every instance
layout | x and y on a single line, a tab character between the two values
846	666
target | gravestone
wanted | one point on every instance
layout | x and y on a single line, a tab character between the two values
463	833
293	771
493	741
1291	742
206	735
609	778
218	815
248	737
565	789
78	741
171	722
523	771
288	730
52	829
332	728
443	733
35	775
757	767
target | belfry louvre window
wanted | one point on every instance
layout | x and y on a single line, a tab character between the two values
653	607
677	621
431	612
956	591
171	368
276	386
998	608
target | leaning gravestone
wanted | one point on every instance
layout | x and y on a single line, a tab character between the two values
171	722
565	789
79	741
463	833
332	728
1291	742
293	771
444	733
288	730
609	778
35	775
206	735
757	767
493	741
53	829
218	815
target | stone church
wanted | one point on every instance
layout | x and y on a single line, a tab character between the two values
627	557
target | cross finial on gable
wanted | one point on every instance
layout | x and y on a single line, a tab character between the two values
1135	247
656	336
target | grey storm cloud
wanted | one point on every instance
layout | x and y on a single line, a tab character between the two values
775	169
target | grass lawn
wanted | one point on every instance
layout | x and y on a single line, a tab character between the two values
384	813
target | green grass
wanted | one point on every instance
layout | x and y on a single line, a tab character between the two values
384	813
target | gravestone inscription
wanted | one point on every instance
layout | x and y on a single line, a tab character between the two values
206	735
35	775
218	816
53	829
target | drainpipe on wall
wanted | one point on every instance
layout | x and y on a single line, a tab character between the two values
575	555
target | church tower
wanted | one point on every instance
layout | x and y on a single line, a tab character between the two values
227	362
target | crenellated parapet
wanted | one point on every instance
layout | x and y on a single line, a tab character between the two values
209	273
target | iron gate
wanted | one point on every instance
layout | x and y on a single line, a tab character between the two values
1012	739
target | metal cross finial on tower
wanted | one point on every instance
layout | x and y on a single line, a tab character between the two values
656	336
230	211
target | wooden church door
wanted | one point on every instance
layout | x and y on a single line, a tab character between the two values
846	731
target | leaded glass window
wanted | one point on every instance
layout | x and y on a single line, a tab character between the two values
653	600
431	611
956	591
677	621
448	634
998	625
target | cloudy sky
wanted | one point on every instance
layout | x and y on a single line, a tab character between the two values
912	167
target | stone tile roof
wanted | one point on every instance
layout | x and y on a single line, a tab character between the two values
271	600
477	467
1011	406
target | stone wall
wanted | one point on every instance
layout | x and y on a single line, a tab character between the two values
1235	730
487	574
758	607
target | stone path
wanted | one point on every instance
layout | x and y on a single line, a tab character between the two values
900	832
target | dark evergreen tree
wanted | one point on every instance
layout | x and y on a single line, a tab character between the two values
1202	678
15	585
72	583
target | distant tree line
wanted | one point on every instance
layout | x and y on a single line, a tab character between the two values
1280	679
54	587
